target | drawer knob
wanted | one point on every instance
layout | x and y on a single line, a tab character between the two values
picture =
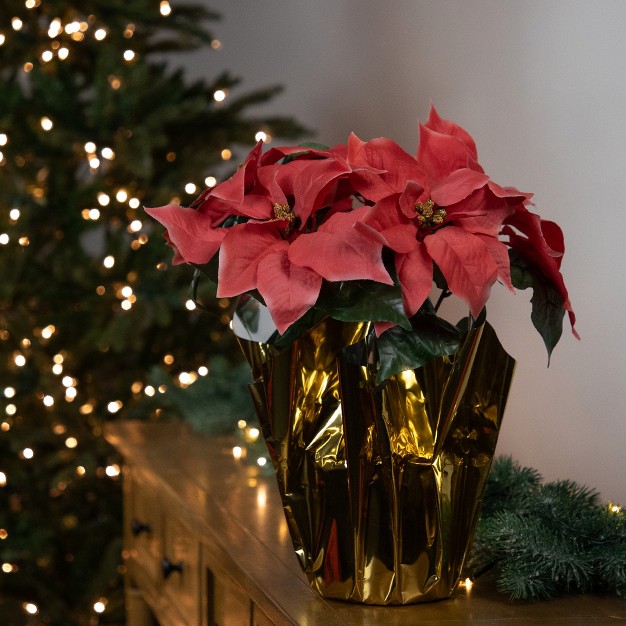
169	568
138	527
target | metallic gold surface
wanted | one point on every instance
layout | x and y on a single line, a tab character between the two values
381	485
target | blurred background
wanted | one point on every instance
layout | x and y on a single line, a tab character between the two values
105	107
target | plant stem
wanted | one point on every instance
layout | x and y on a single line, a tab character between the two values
442	296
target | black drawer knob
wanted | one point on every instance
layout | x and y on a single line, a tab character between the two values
169	568
138	527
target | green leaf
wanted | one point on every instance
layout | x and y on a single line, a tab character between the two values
307	144
430	338
547	303
298	328
363	300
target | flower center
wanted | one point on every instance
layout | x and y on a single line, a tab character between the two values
428	216
285	212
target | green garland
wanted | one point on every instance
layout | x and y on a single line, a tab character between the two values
547	539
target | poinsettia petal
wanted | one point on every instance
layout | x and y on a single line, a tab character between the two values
457	186
481	212
242	250
415	273
396	165
338	251
386	218
411	195
447	127
500	254
466	264
189	232
440	154
289	290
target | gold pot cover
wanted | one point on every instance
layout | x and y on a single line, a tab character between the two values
381	485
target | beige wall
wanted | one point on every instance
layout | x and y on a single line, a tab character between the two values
541	84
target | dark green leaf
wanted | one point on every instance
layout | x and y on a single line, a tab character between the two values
430	338
307	144
363	300
298	328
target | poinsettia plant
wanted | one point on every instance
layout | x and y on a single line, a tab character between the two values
364	231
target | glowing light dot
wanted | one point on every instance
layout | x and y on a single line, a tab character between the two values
149	390
107	153
80	470
184	378
30	608
48	331
135	226
10	409
7	568
28	66
2	39
94	163
30	4
71	442
260	136
90	147
19	360
203	370
57	369
242	424
216	44
219	95
190	188
17	23
122	194
68	381
253	434
126	305
129	55
86	409
237	452
226	154
100	34
109	262
46	56
3	139
9	392
4	239
58	358
94	214
114	407
190	305
261	461
63	53
112	470
210	181
99	607
469	583
70	394
48	400
134	203
3	533
165	8
28	453
46	123
5	427
14	214
3	479
103	199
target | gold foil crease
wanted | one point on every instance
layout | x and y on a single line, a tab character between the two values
381	485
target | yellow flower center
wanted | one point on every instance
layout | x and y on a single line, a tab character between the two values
284	212
428	216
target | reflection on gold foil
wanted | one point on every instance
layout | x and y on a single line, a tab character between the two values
381	485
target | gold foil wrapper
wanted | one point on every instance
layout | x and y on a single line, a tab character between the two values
381	485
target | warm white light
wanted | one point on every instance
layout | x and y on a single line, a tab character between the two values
112	470
108	262
7	568
165	8
10	409
184	378
190	188
134	203
107	153
70	393
203	371
2	39
126	291
135	226
46	123
260	136
30	608
94	214
100	34
122	194
17	23
9	392
72	27
68	381
469	583
219	95
253	434
31	4
129	55
55	28
94	163
242	424
63	53
210	181
90	147
71	442
190	305
126	305
3	139
48	400
28	453
149	390
99	607
226	154
57	368
48	331
237	452
19	360
261	461
14	214
4	239
46	56
103	199
3	479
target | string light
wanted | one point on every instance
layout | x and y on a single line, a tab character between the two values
90	147
17	23
190	305
237	452
10	409
190	188
55	28
46	123
30	608
112	470
107	153
134	203
226	154
14	215
28	453
261	136
129	55
121	195
108	262
165	8
210	181
3	479
103	199
3	139
135	226
2	39
63	53
9	392
100	34
47	56
4	239
219	95
71	442
99	606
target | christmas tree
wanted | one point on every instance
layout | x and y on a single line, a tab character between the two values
93	126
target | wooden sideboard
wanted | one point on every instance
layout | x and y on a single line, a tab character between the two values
205	544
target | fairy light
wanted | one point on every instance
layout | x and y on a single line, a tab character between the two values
100	34
103	199
10	409
30	608
47	56
55	28
260	136
121	194
242	424
115	406
210	181
203	370
9	392
126	305
19	360
2	39
134	203
135	226
468	583
70	394
164	8
253	434
184	378
48	331
94	214
5	427
46	123
28	453
17	23
261	461
3	479
63	53
3	533
90	147
99	606
129	55
216	44
4	239
149	390
71	442
226	154
80	470
28	66
112	470
237	452
190	305
190	188
48	400
219	95
3	139
107	153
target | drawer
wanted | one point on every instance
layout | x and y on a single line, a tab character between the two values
142	531
180	567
